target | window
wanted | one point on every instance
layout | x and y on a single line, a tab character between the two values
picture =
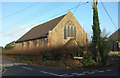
23	44
65	33
71	31
69	24
35	42
74	32
67	21
46	41
68	31
40	42
73	24
28	43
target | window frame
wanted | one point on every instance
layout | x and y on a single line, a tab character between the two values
65	34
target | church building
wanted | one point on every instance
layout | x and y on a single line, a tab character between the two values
56	32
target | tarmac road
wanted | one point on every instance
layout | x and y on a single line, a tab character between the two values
19	69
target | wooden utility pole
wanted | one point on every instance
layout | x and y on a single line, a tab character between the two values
94	4
96	31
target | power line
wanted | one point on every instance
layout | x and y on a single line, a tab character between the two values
43	11
76	8
109	15
19	11
32	20
45	19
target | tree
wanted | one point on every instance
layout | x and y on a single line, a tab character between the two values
104	49
104	34
96	33
1	47
8	46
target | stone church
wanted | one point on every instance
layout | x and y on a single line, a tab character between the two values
56	32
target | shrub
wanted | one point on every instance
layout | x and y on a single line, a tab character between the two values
104	50
48	55
80	53
7	47
1	47
88	60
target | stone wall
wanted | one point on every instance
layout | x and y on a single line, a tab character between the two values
32	43
56	36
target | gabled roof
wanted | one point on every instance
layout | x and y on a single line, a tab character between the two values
12	43
115	35
41	30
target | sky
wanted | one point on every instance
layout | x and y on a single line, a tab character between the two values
20	17
119	14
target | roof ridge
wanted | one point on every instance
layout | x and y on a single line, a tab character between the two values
49	21
115	32
40	30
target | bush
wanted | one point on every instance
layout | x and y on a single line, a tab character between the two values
1	47
80	52
7	47
48	55
104	50
56	54
88	60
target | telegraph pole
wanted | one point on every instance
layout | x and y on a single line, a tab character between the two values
96	31
94	4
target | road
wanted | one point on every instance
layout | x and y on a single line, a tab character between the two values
19	69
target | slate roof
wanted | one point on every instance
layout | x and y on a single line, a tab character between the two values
115	35
41	30
12	43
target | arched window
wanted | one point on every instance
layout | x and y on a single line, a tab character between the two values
68	31
71	31
65	36
74	32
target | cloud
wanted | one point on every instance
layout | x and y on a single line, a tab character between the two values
9	37
21	32
17	31
17	27
10	30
